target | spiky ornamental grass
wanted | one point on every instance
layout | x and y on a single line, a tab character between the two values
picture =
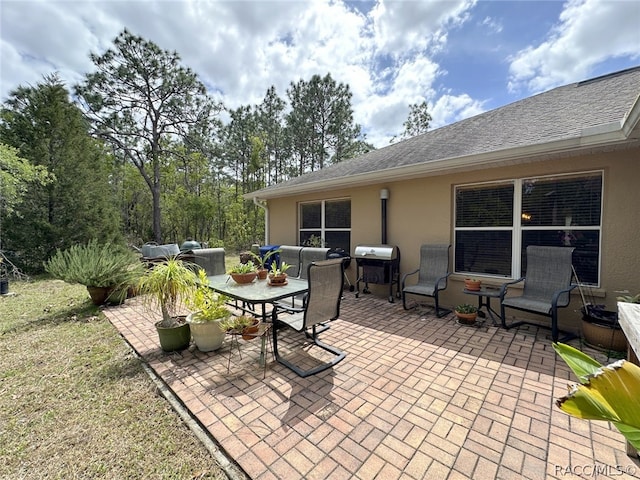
95	265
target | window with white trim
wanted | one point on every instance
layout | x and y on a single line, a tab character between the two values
327	222
495	222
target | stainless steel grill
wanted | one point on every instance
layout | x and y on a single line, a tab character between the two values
378	264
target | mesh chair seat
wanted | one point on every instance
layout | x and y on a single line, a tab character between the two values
540	305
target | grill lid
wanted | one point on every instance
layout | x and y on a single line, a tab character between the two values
376	252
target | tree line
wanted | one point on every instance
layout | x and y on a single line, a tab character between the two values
138	151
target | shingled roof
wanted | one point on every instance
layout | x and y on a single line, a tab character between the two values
596	114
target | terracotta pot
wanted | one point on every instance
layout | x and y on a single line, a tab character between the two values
467	318
282	278
262	273
243	278
249	333
99	295
472	285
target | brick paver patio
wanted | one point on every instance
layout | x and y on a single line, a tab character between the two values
416	397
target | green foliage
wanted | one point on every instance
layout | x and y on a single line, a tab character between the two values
279	270
418	121
167	286
237	324
466	308
77	204
629	298
16	175
95	265
605	393
242	268
139	98
261	260
209	305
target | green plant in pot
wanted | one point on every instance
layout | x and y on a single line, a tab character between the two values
466	313
166	287
260	262
107	270
209	311
278	274
243	272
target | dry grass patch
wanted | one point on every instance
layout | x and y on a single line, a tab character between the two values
75	403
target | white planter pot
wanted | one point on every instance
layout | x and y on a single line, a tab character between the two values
208	336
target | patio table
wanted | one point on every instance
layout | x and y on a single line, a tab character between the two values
485	294
258	292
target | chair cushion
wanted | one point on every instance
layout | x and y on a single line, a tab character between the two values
539	305
421	289
295	320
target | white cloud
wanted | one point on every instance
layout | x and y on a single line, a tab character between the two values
589	32
391	53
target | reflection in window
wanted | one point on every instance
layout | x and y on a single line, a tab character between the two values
326	223
492	234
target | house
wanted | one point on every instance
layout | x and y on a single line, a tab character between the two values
558	168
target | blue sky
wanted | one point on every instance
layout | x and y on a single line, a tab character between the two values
462	57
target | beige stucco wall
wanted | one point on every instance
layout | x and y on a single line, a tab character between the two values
420	211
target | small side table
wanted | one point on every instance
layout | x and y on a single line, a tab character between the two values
264	329
485	294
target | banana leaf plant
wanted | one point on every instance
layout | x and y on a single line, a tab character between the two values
610	393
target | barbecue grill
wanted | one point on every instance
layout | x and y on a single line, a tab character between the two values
378	264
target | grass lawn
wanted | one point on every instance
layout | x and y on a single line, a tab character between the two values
74	401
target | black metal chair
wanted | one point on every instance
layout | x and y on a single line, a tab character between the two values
547	285
432	276
321	304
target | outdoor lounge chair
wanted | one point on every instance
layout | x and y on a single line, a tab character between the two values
432	276
547	284
321	304
211	260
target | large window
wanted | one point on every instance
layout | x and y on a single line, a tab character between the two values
496	222
326	223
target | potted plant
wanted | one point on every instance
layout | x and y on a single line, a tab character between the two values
260	262
472	284
243	272
106	270
209	311
241	325
278	275
466	313
166	286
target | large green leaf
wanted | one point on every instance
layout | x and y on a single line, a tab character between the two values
580	363
611	393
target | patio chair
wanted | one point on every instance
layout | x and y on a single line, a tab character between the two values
432	276
547	284
291	256
308	255
211	260
321	305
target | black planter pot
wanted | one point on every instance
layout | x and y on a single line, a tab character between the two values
4	286
173	339
600	329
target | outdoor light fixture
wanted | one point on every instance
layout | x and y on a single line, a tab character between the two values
384	194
